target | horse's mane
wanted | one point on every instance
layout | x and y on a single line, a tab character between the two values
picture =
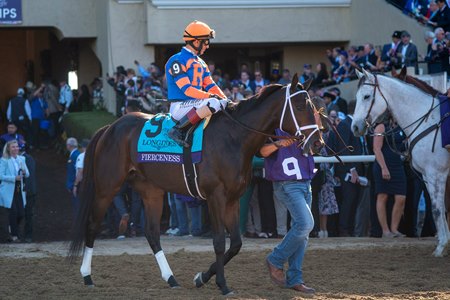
421	85
249	103
415	83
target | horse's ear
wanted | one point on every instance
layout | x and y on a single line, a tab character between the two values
307	84
365	72
403	72
294	83
359	74
368	75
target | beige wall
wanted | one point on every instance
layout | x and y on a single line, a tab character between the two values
128	34
89	66
121	39
73	18
247	25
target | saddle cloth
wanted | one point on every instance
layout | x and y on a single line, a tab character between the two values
445	116
154	144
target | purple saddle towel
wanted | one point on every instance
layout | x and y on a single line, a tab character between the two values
445	114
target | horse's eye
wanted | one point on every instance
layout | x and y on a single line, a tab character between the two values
366	97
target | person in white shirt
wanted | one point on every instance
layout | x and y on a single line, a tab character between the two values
65	96
79	167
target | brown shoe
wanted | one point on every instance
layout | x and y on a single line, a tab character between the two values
276	275
304	290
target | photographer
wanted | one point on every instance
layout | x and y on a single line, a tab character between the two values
438	55
118	83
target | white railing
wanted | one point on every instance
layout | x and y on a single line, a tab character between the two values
345	159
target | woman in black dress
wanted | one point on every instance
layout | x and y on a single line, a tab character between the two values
389	175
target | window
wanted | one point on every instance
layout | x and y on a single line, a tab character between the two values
73	80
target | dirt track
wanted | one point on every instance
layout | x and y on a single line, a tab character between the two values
339	268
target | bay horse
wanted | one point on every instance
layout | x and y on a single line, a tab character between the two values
224	172
408	105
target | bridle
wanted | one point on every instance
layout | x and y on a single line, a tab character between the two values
419	121
376	86
288	103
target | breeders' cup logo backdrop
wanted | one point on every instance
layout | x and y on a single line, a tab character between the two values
10	11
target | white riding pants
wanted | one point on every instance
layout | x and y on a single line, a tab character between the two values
180	109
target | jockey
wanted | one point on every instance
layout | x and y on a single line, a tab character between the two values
191	89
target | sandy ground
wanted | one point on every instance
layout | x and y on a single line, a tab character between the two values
339	268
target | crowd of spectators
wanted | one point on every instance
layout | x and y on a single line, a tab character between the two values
359	212
34	118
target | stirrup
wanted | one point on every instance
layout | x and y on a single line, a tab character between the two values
176	134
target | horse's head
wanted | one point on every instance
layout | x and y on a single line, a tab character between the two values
300	117
370	103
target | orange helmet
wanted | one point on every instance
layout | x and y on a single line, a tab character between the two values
198	31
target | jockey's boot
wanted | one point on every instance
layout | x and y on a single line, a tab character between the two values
178	132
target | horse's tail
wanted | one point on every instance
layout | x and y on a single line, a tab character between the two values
86	197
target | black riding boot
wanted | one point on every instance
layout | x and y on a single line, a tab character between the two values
178	132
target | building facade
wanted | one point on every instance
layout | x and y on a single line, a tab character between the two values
93	37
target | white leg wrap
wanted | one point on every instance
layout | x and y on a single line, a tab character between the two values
166	272
87	259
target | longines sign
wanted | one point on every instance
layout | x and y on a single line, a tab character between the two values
10	11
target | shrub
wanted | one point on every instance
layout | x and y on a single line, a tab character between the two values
83	125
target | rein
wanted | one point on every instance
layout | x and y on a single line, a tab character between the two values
298	134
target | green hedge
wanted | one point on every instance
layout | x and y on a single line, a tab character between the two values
83	125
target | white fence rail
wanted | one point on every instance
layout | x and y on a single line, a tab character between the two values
345	159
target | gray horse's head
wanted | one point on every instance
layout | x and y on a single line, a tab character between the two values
369	103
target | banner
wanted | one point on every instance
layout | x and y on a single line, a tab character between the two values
10	11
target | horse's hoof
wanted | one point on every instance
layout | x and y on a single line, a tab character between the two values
173	283
198	281
88	281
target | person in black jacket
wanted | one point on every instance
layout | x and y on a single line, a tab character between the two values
407	52
442	17
30	189
351	189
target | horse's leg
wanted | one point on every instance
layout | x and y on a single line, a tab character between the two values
222	215
101	197
436	189
153	205
97	214
232	226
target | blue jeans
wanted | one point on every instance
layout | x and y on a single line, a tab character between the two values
119	201
182	216
296	196
173	211
196	220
